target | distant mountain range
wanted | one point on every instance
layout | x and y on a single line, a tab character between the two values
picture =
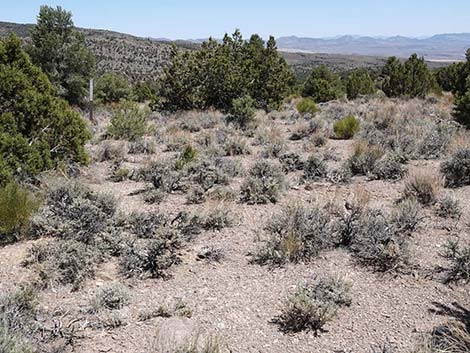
140	58
447	47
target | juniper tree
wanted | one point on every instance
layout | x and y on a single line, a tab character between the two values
60	51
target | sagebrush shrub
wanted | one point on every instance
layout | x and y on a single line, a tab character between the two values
291	162
378	243
18	309
150	257
112	296
364	157
346	127
129	121
72	211
314	304
297	233
388	168
456	169
264	184
63	262
448	207
315	168
16	208
459	257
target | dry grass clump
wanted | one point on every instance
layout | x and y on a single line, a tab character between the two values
364	157
314	305
164	343
297	233
422	186
111	151
264	184
452	337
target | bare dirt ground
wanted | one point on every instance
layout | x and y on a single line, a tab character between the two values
236	300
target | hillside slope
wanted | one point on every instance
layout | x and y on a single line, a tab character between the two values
144	58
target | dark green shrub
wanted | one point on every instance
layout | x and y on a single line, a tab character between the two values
359	83
37	130
243	111
323	85
412	79
456	169
346	128
16	208
462	110
220	72
264	184
129	121
307	106
111	88
187	156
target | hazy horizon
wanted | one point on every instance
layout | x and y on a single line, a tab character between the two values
197	20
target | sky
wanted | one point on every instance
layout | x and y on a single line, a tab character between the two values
186	19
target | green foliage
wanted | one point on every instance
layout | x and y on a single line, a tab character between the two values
129	121
37	130
462	109
243	111
307	106
346	127
218	73
359	83
144	91
111	88
452	78
16	207
323	85
60	52
411	79
187	156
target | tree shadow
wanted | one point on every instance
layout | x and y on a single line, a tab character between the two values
454	310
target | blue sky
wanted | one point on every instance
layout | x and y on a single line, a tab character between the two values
202	18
